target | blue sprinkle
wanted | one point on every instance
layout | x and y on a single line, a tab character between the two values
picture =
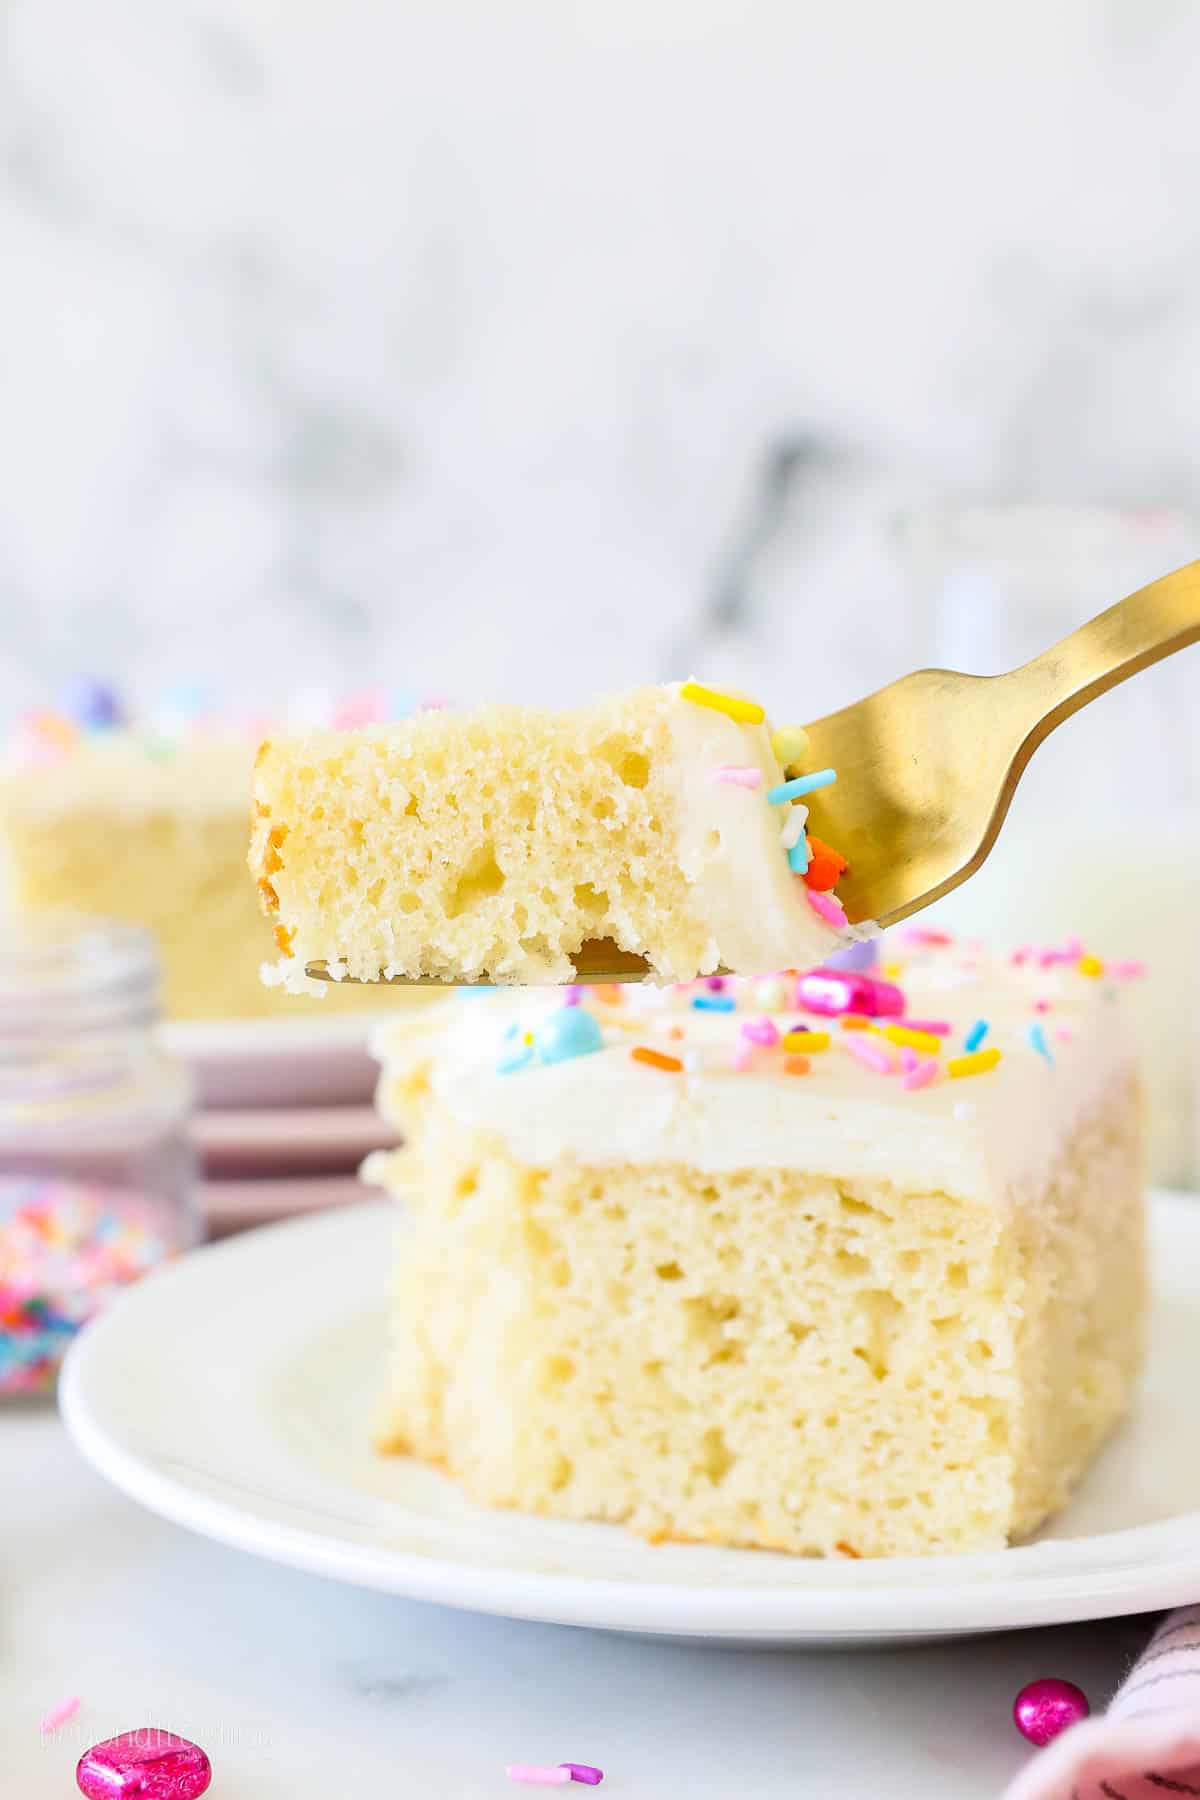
92	704
975	1036
1037	1038
519	1058
715	1003
571	1031
798	855
803	784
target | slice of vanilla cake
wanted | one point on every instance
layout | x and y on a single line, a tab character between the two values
145	820
494	845
824	1263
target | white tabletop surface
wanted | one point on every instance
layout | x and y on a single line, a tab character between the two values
303	1690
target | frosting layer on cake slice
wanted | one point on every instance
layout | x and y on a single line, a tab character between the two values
662	1265
493	845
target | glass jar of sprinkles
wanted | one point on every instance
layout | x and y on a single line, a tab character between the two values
96	1167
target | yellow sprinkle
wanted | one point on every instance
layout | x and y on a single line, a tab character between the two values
891	971
855	1022
790	745
1090	965
527	1037
806	1040
916	1040
747	712
978	1063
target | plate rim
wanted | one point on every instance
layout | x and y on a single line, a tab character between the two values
982	1600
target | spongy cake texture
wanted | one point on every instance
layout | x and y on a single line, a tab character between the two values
765	1357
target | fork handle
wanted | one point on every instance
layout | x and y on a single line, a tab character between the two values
1137	631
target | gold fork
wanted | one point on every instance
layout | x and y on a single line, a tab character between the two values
928	766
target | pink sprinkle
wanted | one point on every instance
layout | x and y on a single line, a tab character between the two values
1125	971
1042	1006
870	1052
585	1772
827	908
714	983
924	934
760	1031
573	996
921	1076
538	1775
738	775
1064	1034
908	1058
935	1027
743	1057
58	1715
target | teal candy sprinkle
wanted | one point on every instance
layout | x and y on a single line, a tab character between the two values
803	784
714	1003
975	1036
569	1032
1037	1038
798	856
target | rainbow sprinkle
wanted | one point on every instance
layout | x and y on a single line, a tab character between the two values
1036	1035
58	1715
738	775
920	1075
793	826
761	1031
803	1039
717	1003
801	785
538	1774
827	907
798	856
655	1059
746	712
977	1063
584	1772
789	745
871	1054
975	1036
908	1034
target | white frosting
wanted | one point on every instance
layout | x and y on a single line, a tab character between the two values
840	1120
730	850
125	772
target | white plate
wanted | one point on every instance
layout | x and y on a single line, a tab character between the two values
232	1394
278	1062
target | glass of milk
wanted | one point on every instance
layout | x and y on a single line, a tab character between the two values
1104	834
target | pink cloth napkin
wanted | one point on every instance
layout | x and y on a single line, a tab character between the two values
1147	1745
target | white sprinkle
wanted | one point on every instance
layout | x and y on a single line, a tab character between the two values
793	826
965	1111
692	1061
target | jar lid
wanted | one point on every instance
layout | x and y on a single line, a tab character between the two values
65	972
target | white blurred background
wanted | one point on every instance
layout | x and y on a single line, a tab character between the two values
527	350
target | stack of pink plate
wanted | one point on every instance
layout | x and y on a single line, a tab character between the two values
284	1115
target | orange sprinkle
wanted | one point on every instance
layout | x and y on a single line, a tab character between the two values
855	1022
825	865
609	992
796	1065
283	938
656	1059
676	1031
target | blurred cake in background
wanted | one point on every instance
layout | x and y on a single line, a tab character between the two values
145	819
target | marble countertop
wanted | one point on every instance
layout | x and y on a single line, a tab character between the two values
299	1688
